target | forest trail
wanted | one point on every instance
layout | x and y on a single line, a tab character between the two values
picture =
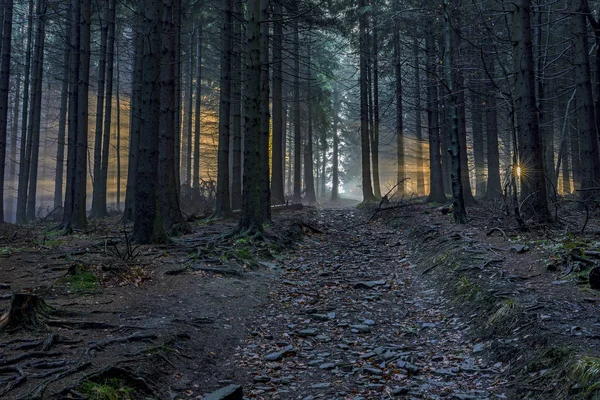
350	318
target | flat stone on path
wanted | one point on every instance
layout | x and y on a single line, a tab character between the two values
231	392
369	284
278	355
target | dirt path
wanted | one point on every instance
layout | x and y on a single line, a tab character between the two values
349	319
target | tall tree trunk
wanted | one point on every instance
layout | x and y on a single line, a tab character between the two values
588	142
198	105
418	122
13	144
455	147
147	226
575	151
189	110
4	89
236	178
367	187
108	106
178	111
335	171
533	183
436	180
401	171
478	145
494	186
25	151
223	207
297	127
277	152
309	178
251	215
62	123
376	117
168	200
97	210
265	116
35	114
118	132
135	124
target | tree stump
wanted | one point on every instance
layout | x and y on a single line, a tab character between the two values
27	311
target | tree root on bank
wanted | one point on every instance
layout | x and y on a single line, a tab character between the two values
38	392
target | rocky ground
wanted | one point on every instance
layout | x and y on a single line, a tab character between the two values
336	303
350	319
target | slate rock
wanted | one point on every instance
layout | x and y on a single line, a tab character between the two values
307	332
231	392
278	355
373	371
369	284
519	248
360	328
327	366
321	385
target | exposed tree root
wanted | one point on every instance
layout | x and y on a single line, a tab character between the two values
38	392
13	381
131	338
26	311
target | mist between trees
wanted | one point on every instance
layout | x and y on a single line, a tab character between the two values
163	108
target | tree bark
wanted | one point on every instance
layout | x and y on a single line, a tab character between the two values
401	171
223	207
4	89
335	179
147	225
265	116
197	112
236	178
251	215
25	151
455	149
297	127
62	122
420	188
35	113
309	178
533	184
367	187
97	203
277	152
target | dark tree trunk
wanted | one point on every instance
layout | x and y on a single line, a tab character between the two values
135	130
420	189
533	183
376	117
494	186
478	145
178	111
400	172
265	189
13	143
297	127
277	152
236	170
455	147
575	151
108	106
436	190
309	178
223	207
188	113
62	123
367	187
97	204
147	226
4	89
168	200
335	171
588	142
251	215
25	151
35	113
198	106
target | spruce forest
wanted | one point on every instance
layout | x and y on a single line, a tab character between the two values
299	199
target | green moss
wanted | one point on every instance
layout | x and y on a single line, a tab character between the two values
110	389
81	280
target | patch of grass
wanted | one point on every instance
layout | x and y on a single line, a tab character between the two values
7	251
504	312
466	289
81	280
586	374
110	389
